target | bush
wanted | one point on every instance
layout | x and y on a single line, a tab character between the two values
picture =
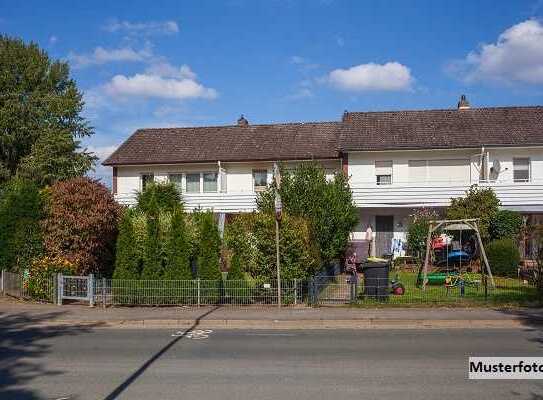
21	209
152	258
480	203
209	247
417	232
252	237
81	225
328	206
41	275
127	258
504	257
506	225
166	196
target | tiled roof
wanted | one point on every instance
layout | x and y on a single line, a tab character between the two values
438	129
297	141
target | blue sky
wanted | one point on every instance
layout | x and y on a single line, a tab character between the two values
173	63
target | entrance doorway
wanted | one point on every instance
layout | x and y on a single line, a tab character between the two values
384	233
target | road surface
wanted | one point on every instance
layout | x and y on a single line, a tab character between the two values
61	363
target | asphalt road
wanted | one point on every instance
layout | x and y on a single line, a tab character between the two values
148	364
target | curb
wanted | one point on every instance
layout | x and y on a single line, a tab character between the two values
291	324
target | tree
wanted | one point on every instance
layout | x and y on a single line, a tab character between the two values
81	223
152	259
506	224
127	260
328	205
21	210
503	257
209	244
480	203
166	196
178	250
417	232
40	116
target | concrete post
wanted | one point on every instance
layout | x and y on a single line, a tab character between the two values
198	285
90	290
60	288
295	291
2	283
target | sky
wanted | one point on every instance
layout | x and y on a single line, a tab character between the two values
192	63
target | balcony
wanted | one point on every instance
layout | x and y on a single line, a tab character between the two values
218	202
439	193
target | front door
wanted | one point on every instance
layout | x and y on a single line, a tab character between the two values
384	233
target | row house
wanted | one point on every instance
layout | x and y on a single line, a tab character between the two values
397	161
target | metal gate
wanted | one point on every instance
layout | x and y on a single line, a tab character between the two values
76	288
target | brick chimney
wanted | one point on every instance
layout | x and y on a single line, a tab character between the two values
463	104
242	121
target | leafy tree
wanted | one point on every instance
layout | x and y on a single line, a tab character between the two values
504	257
235	273
178	250
127	259
329	207
21	209
166	196
152	259
480	203
417	232
506	224
81	225
209	244
40	116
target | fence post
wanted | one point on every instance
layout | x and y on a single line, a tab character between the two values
3	277
90	290
312	291
198	286
104	292
295	291
60	288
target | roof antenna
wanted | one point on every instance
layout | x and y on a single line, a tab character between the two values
242	121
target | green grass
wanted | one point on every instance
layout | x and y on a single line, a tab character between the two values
508	291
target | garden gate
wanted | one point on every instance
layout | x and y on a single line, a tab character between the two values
76	288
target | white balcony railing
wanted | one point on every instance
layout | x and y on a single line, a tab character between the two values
439	193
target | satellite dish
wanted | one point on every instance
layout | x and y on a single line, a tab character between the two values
496	166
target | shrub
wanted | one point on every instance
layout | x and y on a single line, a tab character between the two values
209	243
480	203
327	205
166	196
504	257
417	232
41	275
21	208
252	236
81	225
127	258
236	286
178	249
506	225
152	258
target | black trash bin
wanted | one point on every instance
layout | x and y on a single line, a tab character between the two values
376	279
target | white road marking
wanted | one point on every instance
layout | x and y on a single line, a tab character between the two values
196	334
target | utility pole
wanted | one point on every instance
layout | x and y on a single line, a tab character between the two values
278	214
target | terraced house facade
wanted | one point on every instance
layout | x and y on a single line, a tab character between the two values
397	161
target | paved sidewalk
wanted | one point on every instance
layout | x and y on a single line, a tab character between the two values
270	317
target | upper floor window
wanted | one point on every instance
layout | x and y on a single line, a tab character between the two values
260	179
210	181
521	169
193	183
177	180
383	172
146	179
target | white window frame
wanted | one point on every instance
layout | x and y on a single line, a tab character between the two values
202	181
183	181
258	189
529	170
199	182
379	168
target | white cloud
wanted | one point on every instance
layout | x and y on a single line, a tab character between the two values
101	56
516	57
391	76
156	86
145	28
167	70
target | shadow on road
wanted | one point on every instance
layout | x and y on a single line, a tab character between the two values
136	374
22	346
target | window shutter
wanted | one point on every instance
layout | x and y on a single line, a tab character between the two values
383	167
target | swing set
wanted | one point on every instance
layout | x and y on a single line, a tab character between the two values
453	278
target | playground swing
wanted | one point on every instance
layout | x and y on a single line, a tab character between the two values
450	279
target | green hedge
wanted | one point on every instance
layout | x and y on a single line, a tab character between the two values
503	257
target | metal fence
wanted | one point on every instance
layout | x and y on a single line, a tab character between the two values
458	290
22	286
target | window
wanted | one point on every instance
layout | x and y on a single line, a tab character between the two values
521	169
146	179
210	181
440	170
383	172
193	183
177	180
260	180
